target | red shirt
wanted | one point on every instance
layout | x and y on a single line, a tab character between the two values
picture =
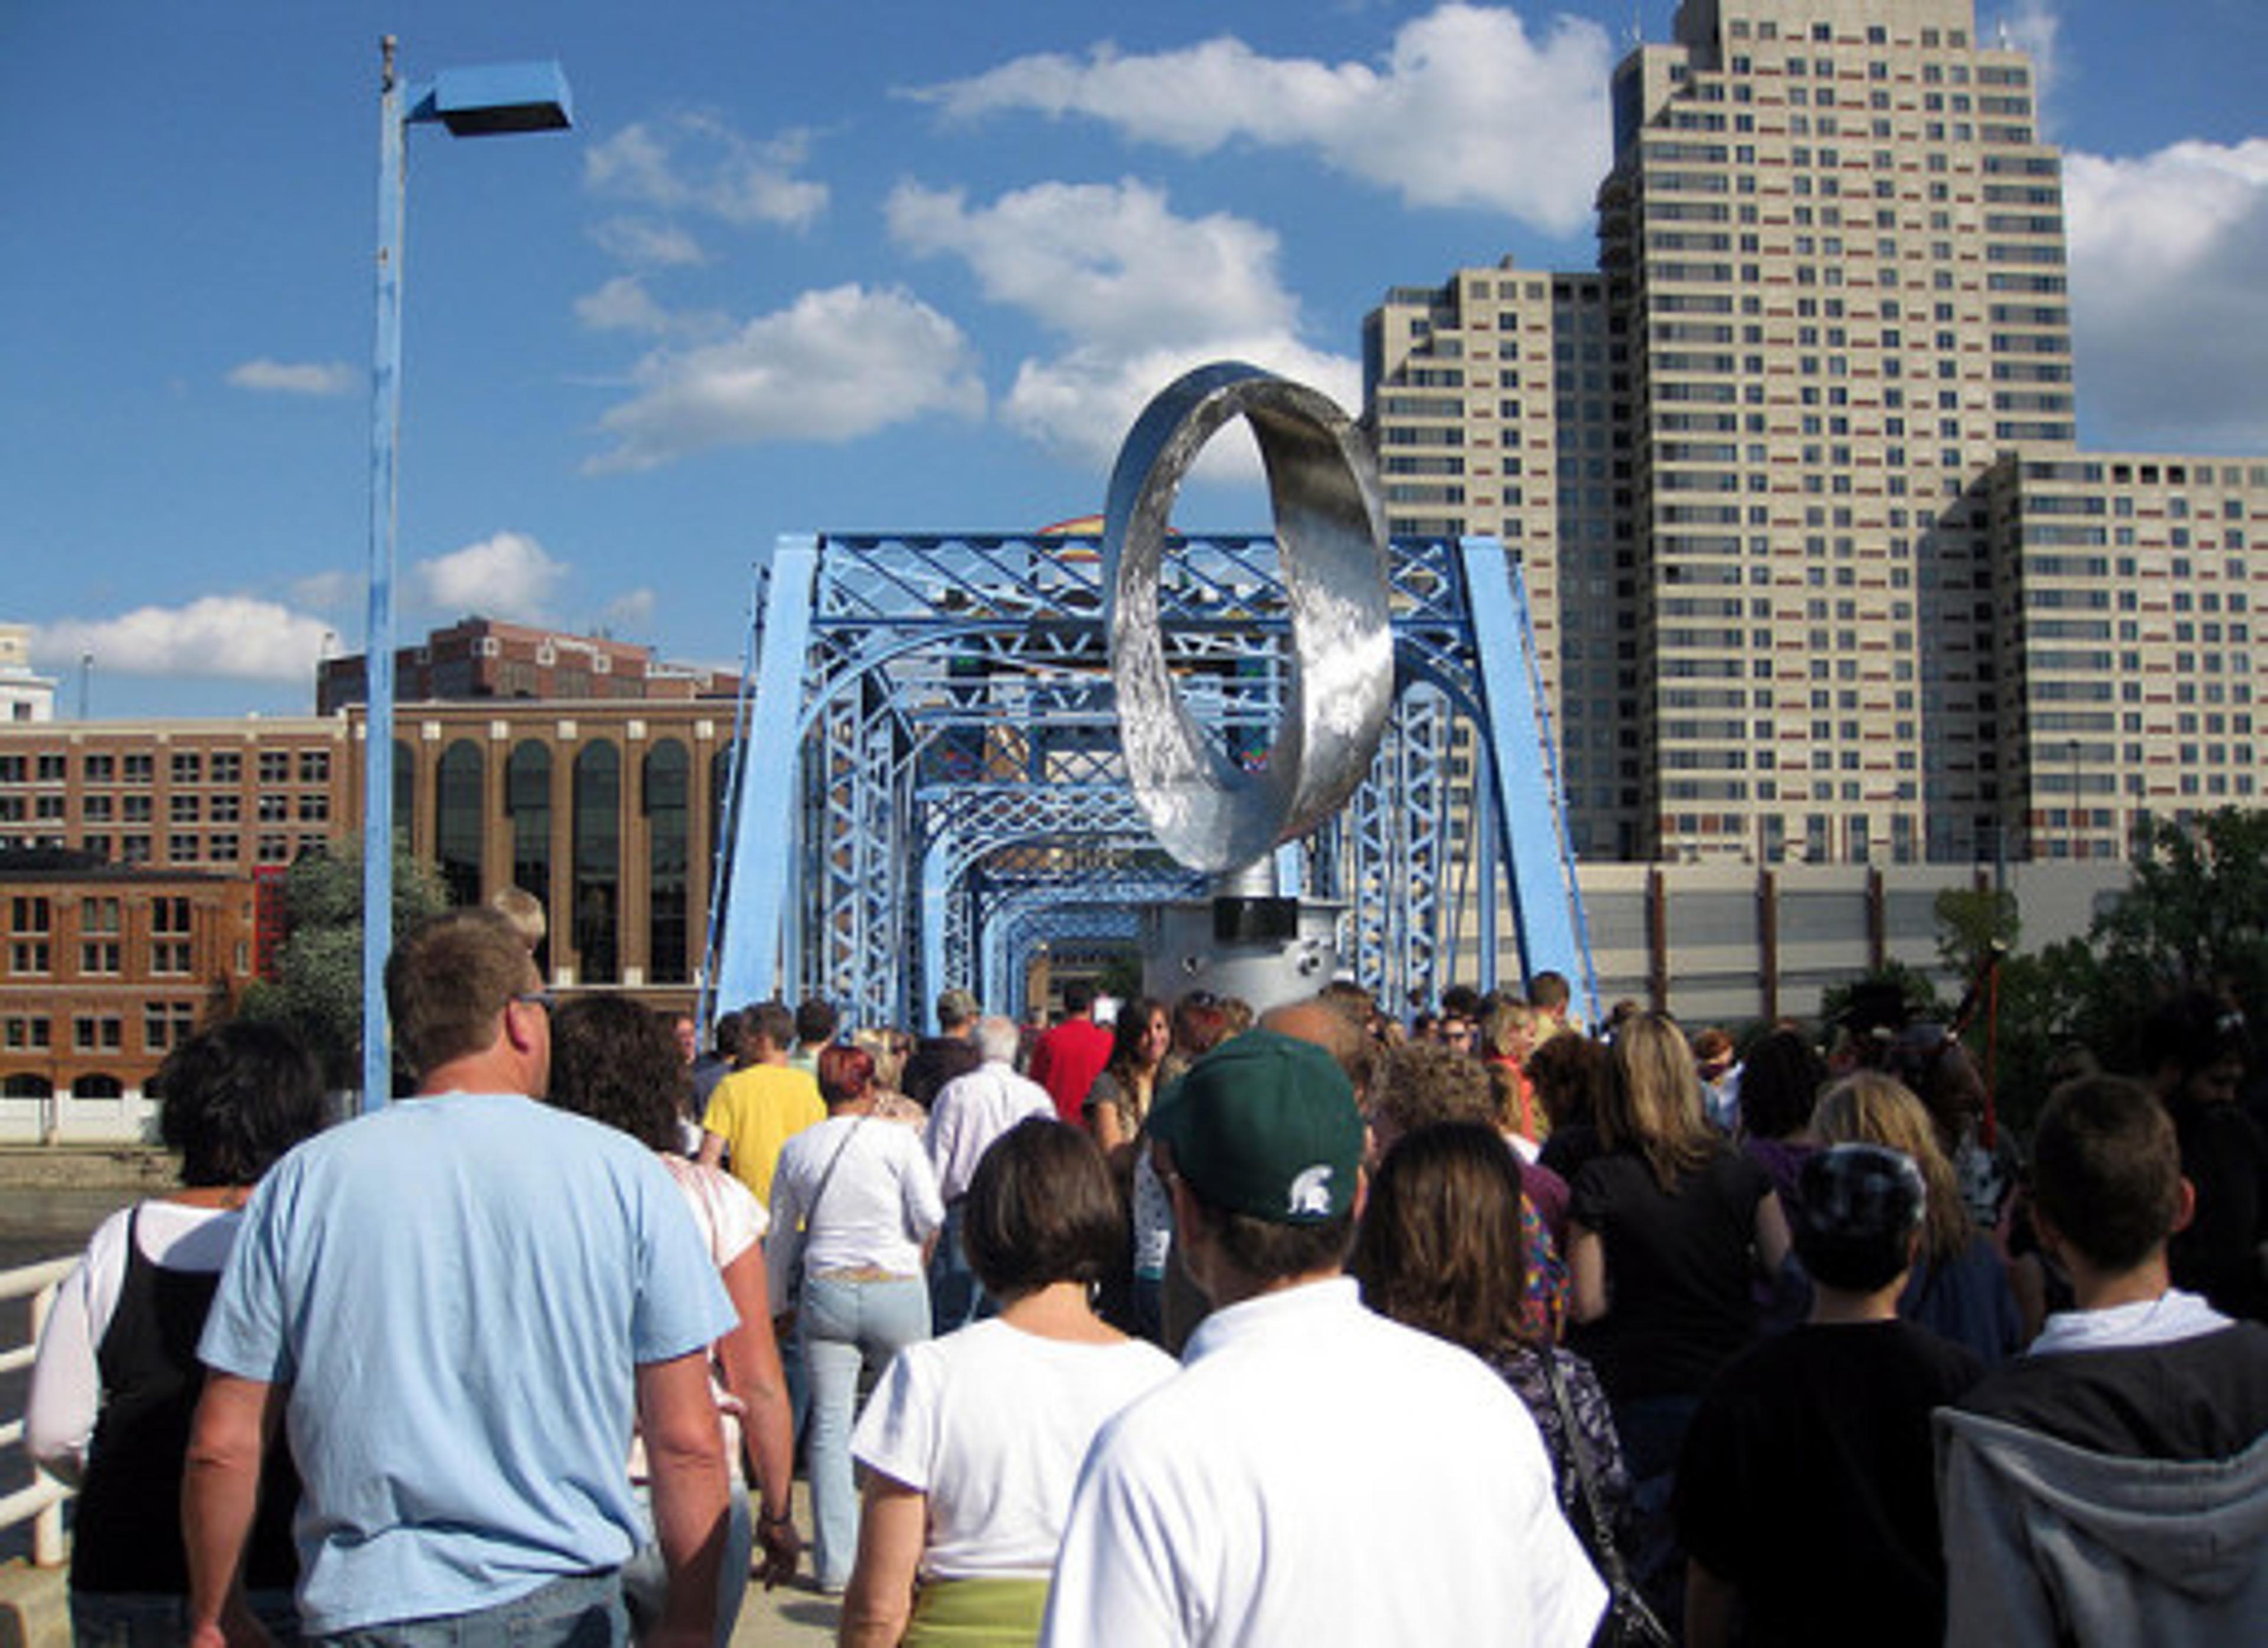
1067	1059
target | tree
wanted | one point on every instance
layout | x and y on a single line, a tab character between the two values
317	989
2196	916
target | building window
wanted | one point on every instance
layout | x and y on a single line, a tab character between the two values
97	1033
275	850
663	788
315	766
527	801
27	1034
169	958
184	809
181	848
315	806
99	956
98	915
224	846
99	770
275	766
598	843
169	914
30	915
165	1025
139	769
458	821
187	767
225	767
28	957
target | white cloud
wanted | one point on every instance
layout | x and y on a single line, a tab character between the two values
234	637
1467	109
1138	295
299	377
647	244
630	614
836	364
697	163
2171	316
507	576
1106	264
622	305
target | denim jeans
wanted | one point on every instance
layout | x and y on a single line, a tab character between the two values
847	1326
151	1619
578	1611
645	1581
956	1298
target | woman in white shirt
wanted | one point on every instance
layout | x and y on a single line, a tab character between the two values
972	1443
117	1377
855	1207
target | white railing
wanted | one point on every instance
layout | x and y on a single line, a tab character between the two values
41	1505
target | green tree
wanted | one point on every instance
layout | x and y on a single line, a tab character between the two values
2195	917
318	985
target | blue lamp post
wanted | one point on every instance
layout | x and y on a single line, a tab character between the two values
470	103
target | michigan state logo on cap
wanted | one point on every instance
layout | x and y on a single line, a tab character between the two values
1311	1194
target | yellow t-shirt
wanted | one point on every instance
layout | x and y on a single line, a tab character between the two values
756	1111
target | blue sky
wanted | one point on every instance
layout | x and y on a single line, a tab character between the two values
875	264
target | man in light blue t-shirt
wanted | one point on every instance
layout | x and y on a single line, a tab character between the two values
455	1304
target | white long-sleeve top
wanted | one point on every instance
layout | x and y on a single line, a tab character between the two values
878	1208
66	1394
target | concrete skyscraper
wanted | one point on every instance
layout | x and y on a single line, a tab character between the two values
1818	571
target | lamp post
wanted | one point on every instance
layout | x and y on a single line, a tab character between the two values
470	103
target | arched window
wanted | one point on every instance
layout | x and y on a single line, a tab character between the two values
98	1087
527	800
457	822
598	825
405	792
663	788
23	1085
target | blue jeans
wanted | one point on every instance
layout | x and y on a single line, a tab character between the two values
154	1619
956	1298
579	1611
645	1581
847	1326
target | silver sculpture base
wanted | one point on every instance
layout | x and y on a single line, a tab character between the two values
1262	949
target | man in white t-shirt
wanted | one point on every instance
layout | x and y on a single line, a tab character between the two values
1315	1473
969	1113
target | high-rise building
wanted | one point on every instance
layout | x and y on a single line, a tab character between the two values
1802	571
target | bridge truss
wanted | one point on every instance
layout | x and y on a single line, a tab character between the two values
928	787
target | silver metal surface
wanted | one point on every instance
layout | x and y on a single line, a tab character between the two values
1330	535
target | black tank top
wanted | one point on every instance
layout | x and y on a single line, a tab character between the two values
126	1530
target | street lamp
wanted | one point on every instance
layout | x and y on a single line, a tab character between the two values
470	103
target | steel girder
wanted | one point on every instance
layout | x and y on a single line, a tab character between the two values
929	782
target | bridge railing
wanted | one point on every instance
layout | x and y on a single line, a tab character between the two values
41	1504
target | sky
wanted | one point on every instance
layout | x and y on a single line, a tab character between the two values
871	265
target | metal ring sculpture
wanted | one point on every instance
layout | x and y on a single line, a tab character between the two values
1330	535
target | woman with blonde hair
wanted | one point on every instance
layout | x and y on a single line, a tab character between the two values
1958	1288
1668	1227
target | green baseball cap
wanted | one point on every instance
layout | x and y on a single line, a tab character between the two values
1265	1125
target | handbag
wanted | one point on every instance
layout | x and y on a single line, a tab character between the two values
1628	1623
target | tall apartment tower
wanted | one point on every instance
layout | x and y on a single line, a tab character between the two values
1832	292
1839	245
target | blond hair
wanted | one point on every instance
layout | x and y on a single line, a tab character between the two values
1653	1104
1869	1107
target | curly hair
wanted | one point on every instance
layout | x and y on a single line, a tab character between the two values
616	1062
235	1098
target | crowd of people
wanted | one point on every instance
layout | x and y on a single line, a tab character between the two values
1171	1322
